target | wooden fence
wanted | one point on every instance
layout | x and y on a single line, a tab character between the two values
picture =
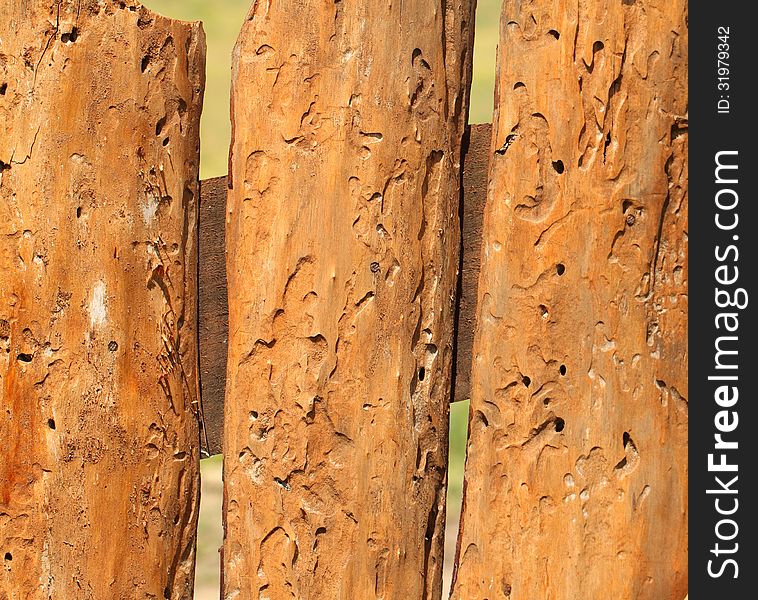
368	257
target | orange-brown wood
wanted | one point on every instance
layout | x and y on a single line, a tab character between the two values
214	311
576	476
342	237
99	129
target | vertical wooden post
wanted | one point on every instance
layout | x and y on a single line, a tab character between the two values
576	478
99	122
342	239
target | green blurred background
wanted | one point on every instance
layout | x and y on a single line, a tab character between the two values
222	20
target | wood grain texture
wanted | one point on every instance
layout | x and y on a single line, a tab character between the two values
476	153
342	239
214	310
576	477
99	130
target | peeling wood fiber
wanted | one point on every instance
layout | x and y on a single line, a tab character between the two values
343	241
576	477
99	140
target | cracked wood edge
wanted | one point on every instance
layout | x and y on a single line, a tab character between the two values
576	475
99	122
214	310
342	255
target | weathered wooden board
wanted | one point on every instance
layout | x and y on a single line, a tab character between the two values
476	154
576	480
342	238
214	313
99	129
214	310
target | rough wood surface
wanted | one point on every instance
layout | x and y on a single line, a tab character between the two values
476	154
576	477
342	239
99	124
214	310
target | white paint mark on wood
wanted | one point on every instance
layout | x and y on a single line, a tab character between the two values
97	309
150	208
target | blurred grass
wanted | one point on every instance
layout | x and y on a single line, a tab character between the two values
457	452
222	20
485	49
210	533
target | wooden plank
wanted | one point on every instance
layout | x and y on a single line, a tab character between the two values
342	253
99	130
576	476
214	310
475	172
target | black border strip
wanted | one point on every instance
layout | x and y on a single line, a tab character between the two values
722	254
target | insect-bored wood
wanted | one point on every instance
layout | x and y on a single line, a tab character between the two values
576	476
99	127
342	239
214	313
